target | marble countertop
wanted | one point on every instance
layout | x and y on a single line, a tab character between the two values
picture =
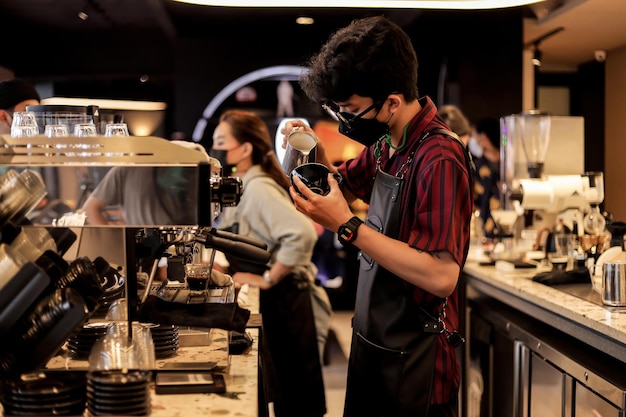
241	377
600	326
240	399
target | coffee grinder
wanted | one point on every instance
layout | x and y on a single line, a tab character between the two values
532	130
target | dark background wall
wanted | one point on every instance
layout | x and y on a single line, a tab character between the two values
470	58
481	54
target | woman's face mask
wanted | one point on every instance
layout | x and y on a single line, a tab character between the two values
222	156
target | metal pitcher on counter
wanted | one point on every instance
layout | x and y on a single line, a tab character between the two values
613	284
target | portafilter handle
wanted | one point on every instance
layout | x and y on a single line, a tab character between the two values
241	247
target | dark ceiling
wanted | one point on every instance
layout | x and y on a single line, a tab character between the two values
170	19
48	25
56	24
190	52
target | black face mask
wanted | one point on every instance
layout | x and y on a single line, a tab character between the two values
364	131
222	155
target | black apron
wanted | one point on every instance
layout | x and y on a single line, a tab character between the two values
291	359
392	358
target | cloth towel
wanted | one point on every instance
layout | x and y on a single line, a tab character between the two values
227	316
558	277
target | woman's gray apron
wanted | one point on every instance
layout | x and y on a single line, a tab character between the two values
392	358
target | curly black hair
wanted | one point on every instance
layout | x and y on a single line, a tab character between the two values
371	57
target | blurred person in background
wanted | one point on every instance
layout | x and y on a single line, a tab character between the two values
15	95
485	145
146	196
294	308
456	121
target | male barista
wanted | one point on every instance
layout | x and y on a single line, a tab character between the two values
15	95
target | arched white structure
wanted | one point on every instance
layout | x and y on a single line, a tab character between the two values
260	74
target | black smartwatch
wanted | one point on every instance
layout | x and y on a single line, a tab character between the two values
348	231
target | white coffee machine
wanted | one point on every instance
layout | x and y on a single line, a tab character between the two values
542	174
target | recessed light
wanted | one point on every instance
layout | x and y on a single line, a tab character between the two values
305	20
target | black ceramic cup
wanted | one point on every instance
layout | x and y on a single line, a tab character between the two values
314	176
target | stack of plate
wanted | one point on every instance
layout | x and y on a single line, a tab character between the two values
113	285
118	393
81	343
165	338
45	394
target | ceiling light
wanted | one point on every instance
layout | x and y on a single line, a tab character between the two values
386	4
537	57
107	103
305	20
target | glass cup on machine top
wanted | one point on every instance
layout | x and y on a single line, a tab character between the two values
56	130
82	130
116	129
24	125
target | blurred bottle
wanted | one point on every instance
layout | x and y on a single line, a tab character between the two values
580	257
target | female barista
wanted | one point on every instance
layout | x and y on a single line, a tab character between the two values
241	142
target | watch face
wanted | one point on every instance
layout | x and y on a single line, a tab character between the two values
345	234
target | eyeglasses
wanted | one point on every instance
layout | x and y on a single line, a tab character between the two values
333	110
